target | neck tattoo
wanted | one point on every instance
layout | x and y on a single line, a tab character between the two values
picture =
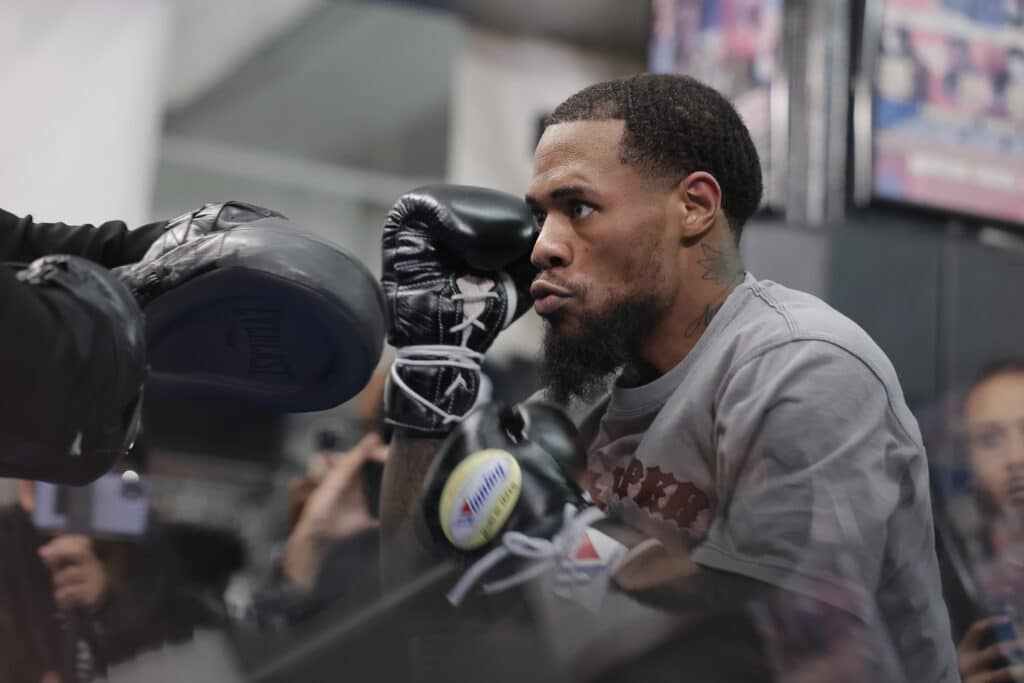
701	322
722	266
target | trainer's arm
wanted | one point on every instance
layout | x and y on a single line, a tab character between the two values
402	551
58	355
110	244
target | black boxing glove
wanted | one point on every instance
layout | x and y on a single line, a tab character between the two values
504	485
456	271
503	467
80	452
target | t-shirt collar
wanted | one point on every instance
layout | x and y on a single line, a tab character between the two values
652	396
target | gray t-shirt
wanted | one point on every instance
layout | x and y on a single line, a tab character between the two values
781	449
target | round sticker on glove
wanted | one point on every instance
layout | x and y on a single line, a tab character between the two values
479	496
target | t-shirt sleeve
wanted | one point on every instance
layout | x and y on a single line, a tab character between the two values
823	490
812	463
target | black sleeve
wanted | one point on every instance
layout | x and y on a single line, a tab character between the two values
56	358
109	244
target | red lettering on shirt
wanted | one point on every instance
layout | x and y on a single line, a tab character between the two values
684	506
659	493
624	478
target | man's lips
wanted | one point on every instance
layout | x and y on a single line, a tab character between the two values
548	298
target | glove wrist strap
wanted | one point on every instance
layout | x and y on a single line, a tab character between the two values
433	360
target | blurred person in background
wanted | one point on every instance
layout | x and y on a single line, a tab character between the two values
338	508
993	420
73	605
328	448
331	555
332	550
993	426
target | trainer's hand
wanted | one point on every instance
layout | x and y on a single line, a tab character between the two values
214	217
985	664
337	509
79	577
153	274
101	400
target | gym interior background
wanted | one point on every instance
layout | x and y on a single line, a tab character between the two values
898	200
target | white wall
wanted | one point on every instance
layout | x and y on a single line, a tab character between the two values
82	86
503	84
343	204
212	39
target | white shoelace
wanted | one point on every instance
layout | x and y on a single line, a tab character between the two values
547	553
445	355
473	319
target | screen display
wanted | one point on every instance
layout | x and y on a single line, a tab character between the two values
949	106
732	45
115	505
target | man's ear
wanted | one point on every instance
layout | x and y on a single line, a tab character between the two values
700	200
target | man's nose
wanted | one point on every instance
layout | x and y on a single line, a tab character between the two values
1015	449
553	248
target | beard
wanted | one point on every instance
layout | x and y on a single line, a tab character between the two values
581	364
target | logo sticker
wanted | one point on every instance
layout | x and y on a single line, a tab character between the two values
584	575
478	497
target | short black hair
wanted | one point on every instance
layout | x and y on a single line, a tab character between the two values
1011	365
676	125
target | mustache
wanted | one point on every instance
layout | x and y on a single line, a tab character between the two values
577	289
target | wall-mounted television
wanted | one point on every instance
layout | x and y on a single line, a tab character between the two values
945	80
733	46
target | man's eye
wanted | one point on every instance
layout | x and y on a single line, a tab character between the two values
540	217
989	439
580	209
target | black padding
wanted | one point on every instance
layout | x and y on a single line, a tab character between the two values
265	316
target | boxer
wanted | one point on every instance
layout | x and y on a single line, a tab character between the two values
759	435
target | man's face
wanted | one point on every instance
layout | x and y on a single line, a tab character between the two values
609	268
994	413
